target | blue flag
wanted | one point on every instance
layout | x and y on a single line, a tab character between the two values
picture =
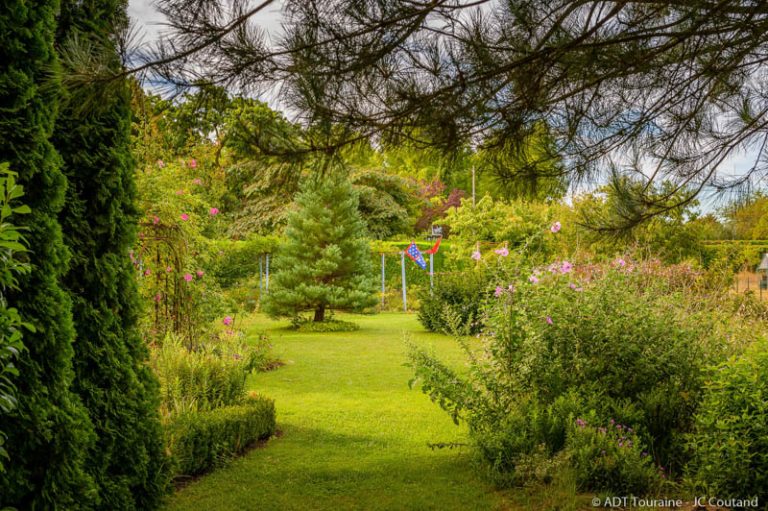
413	252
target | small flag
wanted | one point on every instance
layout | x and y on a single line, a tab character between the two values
434	248
415	255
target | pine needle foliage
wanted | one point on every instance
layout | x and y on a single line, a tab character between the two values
325	261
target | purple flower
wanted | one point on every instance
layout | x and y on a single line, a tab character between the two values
619	263
555	227
227	320
580	423
160	163
476	255
503	252
566	267
499	291
549	320
533	279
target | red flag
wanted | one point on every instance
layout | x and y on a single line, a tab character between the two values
434	248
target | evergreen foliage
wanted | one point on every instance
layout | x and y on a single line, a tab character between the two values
50	432
325	261
99	222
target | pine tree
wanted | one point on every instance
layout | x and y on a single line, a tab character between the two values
325	262
49	433
99	221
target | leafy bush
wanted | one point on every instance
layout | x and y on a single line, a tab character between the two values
200	441
619	342
12	244
730	442
455	301
207	376
610	457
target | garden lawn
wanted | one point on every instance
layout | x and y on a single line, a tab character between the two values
353	435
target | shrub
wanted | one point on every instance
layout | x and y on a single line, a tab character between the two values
610	458
329	325
206	376
198	442
621	344
730	442
12	245
455	301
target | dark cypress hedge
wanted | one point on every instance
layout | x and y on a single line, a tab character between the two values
99	221
49	432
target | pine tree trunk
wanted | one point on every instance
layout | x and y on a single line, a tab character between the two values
320	313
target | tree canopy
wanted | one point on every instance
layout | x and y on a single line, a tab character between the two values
660	89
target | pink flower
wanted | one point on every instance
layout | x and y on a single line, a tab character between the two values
213	211
575	287
197	181
620	263
227	320
155	219
179	192
200	273
566	267
503	252
160	163
184	217
158	297
193	163
533	279
549	320
147	272
188	277
511	288
476	255
499	291
555	227
168	269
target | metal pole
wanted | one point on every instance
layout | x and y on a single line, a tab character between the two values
402	266
383	286
431	271
267	273
261	276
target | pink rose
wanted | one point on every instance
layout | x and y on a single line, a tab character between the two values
188	277
213	211
184	217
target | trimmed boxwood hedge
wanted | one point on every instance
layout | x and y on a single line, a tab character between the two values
198	442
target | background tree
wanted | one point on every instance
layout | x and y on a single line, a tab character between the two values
99	221
325	262
663	90
49	433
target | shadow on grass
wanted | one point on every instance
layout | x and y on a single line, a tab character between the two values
315	469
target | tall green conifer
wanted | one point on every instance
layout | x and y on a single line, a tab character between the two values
325	262
49	433
99	221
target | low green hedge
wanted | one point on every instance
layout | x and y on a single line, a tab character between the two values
200	441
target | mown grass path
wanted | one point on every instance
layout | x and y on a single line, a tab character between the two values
354	436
